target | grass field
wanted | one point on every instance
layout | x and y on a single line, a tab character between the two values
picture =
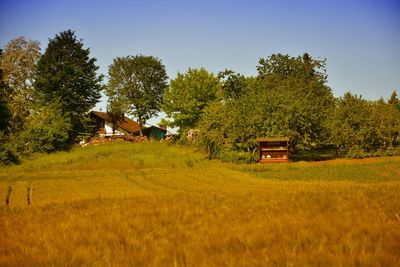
151	204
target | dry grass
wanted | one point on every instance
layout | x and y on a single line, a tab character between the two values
157	205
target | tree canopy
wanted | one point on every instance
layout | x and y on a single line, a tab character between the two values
188	95
45	100
18	65
67	72
136	85
289	98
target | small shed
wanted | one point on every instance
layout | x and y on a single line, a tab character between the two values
155	132
274	149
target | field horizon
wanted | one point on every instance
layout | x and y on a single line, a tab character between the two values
156	204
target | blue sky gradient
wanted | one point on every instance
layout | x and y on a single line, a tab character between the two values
359	39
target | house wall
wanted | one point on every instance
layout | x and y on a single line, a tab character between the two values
108	130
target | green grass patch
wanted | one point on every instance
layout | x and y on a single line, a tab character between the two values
365	170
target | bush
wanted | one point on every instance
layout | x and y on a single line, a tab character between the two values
392	151
227	155
356	152
7	152
47	130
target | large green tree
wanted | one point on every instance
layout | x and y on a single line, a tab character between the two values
136	85
288	98
304	100
67	73
188	95
18	65
352	124
387	120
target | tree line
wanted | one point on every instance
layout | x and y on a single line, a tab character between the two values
289	97
45	101
45	98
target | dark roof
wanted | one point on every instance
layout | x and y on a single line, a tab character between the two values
273	139
127	124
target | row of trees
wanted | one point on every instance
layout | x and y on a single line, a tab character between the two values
288	97
45	99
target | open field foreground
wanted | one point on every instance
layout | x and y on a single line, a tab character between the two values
151	204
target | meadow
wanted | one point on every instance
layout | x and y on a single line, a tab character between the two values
154	204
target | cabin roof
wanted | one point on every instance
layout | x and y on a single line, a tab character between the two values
127	124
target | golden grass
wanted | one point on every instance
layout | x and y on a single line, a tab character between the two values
159	205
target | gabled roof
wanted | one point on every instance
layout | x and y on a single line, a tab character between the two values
127	124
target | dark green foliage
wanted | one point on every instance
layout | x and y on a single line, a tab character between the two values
361	128
296	89
66	72
233	84
286	67
8	154
289	98
4	111
229	155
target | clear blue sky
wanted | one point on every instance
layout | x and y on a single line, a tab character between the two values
359	38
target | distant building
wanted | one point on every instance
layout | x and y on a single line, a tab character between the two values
125	127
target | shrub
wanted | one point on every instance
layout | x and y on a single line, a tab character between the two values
228	155
47	130
392	151
356	152
7	152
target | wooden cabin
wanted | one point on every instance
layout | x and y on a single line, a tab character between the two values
125	127
274	149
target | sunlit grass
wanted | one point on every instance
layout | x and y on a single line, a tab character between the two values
161	205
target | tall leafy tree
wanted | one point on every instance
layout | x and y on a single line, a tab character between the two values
213	126
136	85
351	123
18	65
188	95
307	99
67	73
386	122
